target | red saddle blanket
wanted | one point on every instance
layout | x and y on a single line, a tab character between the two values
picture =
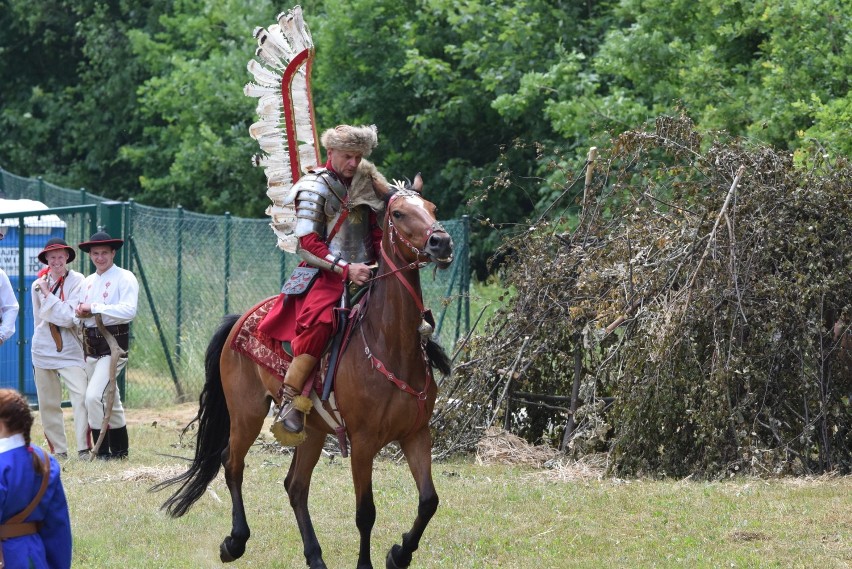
260	348
264	350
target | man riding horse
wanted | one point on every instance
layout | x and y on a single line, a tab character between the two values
338	233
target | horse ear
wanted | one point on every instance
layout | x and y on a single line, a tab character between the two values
380	187
417	185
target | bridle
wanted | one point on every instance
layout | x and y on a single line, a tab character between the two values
421	259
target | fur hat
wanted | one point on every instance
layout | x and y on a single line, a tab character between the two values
356	139
56	244
101	238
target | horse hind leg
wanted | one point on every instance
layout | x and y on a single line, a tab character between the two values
246	425
418	454
233	458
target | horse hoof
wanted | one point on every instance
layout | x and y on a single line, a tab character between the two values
391	563
226	555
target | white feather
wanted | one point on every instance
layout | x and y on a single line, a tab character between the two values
308	156
305	134
299	91
268	43
273	161
269	106
264	128
278	175
269	58
255	90
270	113
293	26
271	142
263	75
280	41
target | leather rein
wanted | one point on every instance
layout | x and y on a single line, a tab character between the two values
421	260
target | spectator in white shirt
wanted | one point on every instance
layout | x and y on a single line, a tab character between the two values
57	350
8	303
113	293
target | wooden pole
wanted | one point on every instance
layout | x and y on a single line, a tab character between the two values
590	170
115	352
575	392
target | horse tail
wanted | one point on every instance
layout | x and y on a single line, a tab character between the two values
214	425
438	357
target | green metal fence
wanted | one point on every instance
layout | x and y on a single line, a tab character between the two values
193	269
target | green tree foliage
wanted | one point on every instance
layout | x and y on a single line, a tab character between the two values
778	71
194	150
429	74
68	98
144	100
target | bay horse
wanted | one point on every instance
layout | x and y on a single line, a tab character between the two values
384	388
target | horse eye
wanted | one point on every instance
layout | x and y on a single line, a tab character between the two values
397	215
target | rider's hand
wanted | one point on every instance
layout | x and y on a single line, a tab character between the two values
359	273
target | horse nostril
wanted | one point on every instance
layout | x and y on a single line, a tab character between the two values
440	246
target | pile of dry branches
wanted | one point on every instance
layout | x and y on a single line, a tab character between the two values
700	297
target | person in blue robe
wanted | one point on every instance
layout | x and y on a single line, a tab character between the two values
45	544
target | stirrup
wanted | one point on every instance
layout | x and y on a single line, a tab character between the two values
299	403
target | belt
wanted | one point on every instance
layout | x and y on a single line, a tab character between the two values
115	330
8	531
96	345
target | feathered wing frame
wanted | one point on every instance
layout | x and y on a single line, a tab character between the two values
286	129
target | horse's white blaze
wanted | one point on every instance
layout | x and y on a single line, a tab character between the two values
415	200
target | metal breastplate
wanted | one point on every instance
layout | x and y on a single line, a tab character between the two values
353	242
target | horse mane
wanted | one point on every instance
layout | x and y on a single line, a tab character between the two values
392	190
438	357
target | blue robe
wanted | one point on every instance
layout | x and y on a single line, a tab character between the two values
50	548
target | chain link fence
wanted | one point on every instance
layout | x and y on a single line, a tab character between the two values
192	270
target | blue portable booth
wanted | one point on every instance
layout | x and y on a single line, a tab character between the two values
16	370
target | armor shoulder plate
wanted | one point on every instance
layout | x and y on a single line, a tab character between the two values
318	196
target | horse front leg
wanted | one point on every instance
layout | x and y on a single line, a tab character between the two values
298	486
365	507
418	454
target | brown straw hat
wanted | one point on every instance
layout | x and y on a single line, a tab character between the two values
56	244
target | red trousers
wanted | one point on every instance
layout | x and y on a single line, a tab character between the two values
306	321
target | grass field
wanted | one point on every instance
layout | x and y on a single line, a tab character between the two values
490	515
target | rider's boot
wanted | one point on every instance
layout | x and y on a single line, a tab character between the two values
293	404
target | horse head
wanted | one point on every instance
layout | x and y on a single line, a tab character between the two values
411	229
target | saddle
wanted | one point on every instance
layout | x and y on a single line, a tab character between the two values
275	356
271	355
265	351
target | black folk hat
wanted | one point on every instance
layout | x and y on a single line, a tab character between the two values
101	238
56	244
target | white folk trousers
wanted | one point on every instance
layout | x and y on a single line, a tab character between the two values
49	389
96	394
